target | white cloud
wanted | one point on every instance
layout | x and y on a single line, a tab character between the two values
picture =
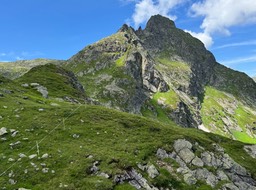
2	54
239	60
245	43
220	15
204	37
144	9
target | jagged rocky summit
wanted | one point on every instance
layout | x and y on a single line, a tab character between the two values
163	72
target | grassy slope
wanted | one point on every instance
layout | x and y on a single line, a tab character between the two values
105	134
236	83
177	72
163	103
54	78
95	79
212	113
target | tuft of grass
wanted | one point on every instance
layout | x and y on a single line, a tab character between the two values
243	137
125	186
179	66
170	99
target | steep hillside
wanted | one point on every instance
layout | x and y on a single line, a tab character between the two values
53	81
13	70
236	83
50	144
164	73
118	72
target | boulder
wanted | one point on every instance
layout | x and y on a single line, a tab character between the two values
243	185
43	91
229	186
34	84
190	179
197	162
21	155
251	150
45	170
105	175
13	145
32	156
94	168
186	155
210	159
181	144
45	156
11	160
152	171
12	181
205	175
222	176
25	85
161	153
3	131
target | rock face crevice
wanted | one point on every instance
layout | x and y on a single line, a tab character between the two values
184	117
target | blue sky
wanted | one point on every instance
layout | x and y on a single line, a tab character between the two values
58	29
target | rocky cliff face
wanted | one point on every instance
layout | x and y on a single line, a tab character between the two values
122	70
163	40
163	72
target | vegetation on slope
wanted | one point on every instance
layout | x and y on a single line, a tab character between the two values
236	83
58	81
224	115
75	136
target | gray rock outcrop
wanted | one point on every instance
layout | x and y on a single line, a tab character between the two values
135	179
192	166
3	131
251	150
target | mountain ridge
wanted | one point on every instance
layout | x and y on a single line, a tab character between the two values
157	64
164	73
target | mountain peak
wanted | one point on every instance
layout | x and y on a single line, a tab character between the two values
158	22
125	28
